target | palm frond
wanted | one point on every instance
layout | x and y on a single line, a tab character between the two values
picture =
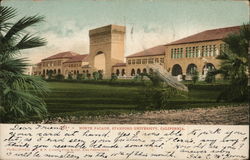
20	95
14	65
7	13
29	41
20	25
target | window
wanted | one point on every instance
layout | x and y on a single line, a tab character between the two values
138	61
206	51
214	50
210	50
129	61
162	60
188	52
172	53
133	61
223	47
196	51
193	52
144	61
181	53
150	60
202	51
156	60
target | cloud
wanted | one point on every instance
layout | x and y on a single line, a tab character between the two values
72	37
69	37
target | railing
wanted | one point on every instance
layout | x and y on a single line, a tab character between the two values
167	77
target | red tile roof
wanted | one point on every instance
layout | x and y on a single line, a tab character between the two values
119	65
78	58
67	54
154	51
208	35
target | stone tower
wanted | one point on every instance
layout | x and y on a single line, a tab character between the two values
106	48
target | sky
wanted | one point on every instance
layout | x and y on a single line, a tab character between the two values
148	22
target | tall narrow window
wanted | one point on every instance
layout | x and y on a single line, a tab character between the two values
138	61
161	60
156	60
172	53
129	61
133	61
196	51
181	54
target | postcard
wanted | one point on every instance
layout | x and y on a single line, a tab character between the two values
113	79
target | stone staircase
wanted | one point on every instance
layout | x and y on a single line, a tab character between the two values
167	77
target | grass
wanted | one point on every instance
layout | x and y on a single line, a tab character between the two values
86	99
90	99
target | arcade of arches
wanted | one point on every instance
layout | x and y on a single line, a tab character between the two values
177	69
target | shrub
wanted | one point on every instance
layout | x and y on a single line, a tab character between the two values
156	81
95	75
113	77
210	78
100	74
89	76
50	74
195	76
59	77
155	97
70	77
79	76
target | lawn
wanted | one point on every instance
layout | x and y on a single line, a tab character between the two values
69	98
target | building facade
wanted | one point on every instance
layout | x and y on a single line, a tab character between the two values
196	52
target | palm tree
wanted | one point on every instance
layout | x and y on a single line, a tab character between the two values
20	94
234	65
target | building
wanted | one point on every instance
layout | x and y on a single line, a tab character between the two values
196	52
136	63
54	64
75	65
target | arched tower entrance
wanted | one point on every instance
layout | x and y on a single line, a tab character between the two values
100	62
106	48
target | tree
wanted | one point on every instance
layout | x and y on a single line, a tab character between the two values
20	94
195	76
234	65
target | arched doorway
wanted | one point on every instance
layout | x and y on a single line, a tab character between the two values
117	72
123	72
59	71
138	71
191	68
144	70
99	61
176	70
133	72
207	67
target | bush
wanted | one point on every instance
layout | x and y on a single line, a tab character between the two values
50	74
113	77
156	81
100	75
89	76
59	77
155	97
70	77
195	76
95	75
79	76
210	78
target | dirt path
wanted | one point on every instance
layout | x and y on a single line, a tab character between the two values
219	115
